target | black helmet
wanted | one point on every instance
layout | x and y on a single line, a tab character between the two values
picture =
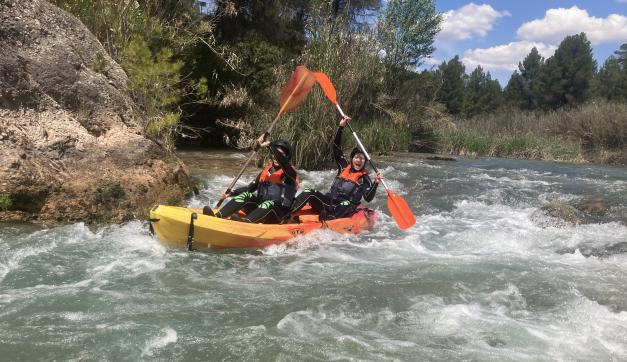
285	146
355	151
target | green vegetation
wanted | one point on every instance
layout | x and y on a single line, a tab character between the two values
5	202
100	63
593	132
213	78
164	128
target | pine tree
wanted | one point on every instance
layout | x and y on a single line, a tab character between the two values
452	91
483	95
610	81
566	77
520	89
621	55
494	94
515	91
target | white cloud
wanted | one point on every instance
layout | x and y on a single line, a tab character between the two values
433	61
468	21
558	23
503	57
621	1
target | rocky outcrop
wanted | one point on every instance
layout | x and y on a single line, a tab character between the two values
72	146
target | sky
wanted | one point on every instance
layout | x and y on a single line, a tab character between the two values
497	34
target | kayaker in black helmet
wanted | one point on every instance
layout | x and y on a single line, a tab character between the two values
275	188
350	185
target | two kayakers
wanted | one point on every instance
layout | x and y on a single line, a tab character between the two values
350	185
275	187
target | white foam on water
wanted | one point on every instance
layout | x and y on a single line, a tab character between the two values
423	165
10	259
554	196
166	337
42	242
479	279
521	182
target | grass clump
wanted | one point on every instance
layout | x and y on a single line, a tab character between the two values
5	202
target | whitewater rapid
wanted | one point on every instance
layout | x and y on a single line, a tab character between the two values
479	277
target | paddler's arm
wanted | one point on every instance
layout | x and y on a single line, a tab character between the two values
338	155
371	188
251	187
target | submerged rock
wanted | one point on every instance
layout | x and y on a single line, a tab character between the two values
587	212
72	146
597	251
560	213
594	207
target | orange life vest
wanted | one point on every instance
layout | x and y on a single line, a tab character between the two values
353	176
346	186
275	177
272	187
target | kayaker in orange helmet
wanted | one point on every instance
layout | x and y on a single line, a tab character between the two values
275	188
350	185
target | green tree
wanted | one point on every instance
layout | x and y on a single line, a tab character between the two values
407	30
451	93
515	91
521	89
621	55
566	77
483	94
611	80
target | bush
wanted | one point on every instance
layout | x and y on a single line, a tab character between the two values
5	202
163	128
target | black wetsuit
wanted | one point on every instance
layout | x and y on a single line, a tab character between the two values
334	205
270	204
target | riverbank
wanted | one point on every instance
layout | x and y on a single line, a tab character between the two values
593	133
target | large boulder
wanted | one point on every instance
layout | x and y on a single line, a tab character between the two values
72	146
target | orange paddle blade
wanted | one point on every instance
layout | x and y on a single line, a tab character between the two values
327	86
400	211
296	89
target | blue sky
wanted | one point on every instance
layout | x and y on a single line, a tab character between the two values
497	34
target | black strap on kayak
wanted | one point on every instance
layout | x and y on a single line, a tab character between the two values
151	230
190	233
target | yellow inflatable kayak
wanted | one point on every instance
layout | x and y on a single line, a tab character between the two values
190	228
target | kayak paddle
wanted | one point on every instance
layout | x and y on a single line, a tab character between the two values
294	92
397	206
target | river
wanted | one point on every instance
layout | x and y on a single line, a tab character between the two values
482	276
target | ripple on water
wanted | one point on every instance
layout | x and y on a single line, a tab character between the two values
476	279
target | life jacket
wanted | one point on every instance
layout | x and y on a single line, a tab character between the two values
272	187
348	186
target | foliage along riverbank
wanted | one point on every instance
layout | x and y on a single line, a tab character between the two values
595	132
210	77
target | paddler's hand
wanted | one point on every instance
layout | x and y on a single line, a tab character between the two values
262	141
344	121
225	195
378	177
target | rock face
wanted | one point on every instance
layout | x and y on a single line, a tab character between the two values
71	144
